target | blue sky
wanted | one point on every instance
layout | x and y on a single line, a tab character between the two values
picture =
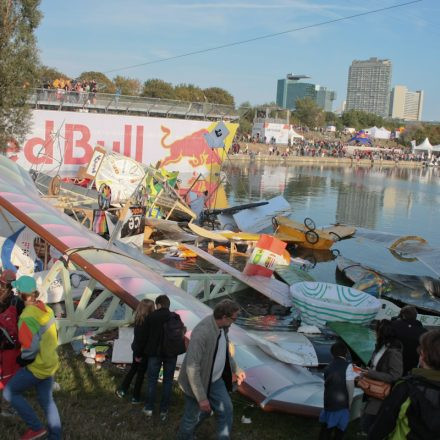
106	35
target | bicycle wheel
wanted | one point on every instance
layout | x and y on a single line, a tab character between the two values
309	224
312	237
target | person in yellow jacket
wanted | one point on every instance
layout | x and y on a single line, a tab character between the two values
38	337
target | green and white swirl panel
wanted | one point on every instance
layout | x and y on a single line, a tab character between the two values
325	302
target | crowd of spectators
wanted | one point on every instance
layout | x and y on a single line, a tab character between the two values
324	147
66	90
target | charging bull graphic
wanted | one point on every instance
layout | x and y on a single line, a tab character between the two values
194	146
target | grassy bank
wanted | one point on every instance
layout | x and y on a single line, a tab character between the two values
90	410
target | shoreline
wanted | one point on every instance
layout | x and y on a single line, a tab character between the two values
246	158
258	152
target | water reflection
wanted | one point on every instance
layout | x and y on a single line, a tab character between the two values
399	200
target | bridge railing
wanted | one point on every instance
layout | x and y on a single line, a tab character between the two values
59	99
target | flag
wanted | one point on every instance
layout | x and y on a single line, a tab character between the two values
216	138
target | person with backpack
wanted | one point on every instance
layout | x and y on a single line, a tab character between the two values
140	361
37	334
165	341
10	308
412	409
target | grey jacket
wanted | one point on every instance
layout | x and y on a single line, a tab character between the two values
195	374
389	369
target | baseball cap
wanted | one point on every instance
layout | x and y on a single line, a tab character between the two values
7	276
25	284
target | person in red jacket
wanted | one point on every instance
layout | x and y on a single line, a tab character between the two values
10	308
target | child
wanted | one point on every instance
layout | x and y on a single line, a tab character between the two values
338	394
140	361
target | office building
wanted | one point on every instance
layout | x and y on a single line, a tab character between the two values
405	104
291	88
368	86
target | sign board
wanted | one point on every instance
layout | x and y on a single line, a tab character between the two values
71	138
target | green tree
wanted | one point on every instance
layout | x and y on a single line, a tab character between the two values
18	66
308	112
246	112
157	88
128	86
103	83
49	74
360	119
218	96
189	92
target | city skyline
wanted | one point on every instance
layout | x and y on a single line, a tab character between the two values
144	33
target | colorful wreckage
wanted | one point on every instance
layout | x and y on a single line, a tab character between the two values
306	235
274	385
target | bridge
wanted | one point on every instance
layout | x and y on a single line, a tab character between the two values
88	102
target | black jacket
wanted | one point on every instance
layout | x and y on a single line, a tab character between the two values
335	389
154	337
409	332
140	339
412	410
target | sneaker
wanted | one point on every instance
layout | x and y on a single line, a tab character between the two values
135	401
163	416
30	434
120	393
148	412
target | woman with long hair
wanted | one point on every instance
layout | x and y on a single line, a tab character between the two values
140	361
386	365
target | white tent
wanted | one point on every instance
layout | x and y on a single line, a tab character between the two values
294	135
378	133
424	146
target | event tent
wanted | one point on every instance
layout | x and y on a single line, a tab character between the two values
424	146
378	133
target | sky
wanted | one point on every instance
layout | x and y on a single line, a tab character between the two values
108	36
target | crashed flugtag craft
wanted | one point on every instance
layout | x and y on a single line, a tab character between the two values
273	384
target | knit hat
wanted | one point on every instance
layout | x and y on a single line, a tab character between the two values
7	276
25	284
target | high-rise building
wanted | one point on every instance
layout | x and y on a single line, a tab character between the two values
405	104
368	86
290	89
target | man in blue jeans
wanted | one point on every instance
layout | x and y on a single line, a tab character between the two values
208	371
38	337
156	359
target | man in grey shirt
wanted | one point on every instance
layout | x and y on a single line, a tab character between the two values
208	371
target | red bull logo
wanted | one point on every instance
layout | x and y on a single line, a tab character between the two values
193	146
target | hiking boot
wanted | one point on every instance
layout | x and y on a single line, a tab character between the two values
120	393
135	401
30	434
148	412
163	416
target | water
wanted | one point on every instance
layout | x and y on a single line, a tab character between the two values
402	201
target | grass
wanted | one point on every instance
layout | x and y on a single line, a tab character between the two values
89	409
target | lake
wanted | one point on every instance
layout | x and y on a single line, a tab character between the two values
403	201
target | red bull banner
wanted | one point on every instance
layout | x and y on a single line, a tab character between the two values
69	139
